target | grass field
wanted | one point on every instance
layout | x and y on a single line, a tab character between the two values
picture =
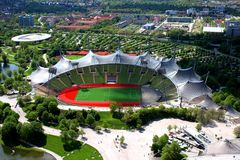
109	94
73	57
85	152
108	121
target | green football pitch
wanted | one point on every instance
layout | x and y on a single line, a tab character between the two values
109	94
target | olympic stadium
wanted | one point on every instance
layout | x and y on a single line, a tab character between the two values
97	80
31	37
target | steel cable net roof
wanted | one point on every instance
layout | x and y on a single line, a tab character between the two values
187	82
41	75
208	103
223	147
193	89
183	75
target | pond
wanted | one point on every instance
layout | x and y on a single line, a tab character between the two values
11	67
7	153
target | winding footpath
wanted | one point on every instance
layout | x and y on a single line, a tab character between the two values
137	143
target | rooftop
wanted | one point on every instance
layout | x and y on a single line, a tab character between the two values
31	37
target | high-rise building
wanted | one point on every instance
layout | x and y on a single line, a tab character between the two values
233	28
26	21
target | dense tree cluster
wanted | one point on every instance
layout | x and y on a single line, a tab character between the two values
226	99
144	116
172	152
6	113
14	133
26	56
162	148
158	144
14	80
45	109
69	139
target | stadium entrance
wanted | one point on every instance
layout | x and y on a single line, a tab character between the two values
111	78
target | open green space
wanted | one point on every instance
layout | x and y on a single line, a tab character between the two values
55	144
109	94
108	121
86	151
73	57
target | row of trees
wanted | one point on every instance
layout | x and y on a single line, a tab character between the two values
144	116
226	99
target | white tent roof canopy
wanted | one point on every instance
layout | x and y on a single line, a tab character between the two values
187	82
41	75
193	89
183	75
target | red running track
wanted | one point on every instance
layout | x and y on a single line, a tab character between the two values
68	95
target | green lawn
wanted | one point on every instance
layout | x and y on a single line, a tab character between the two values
86	151
73	57
54	143
109	94
28	71
106	118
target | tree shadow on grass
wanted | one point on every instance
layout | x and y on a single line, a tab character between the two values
40	140
84	89
72	146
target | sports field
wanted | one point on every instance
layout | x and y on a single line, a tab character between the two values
109	94
102	95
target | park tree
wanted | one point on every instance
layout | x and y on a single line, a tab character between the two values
116	110
81	132
24	87
8	83
21	70
176	33
80	118
171	152
199	127
158	144
2	90
90	120
32	116
40	109
236	131
113	107
121	140
98	129
32	133
175	127
63	124
3	77
229	101
236	105
69	139
5	60
45	117
52	108
9	73
11	118
73	124
169	127
15	73
9	134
